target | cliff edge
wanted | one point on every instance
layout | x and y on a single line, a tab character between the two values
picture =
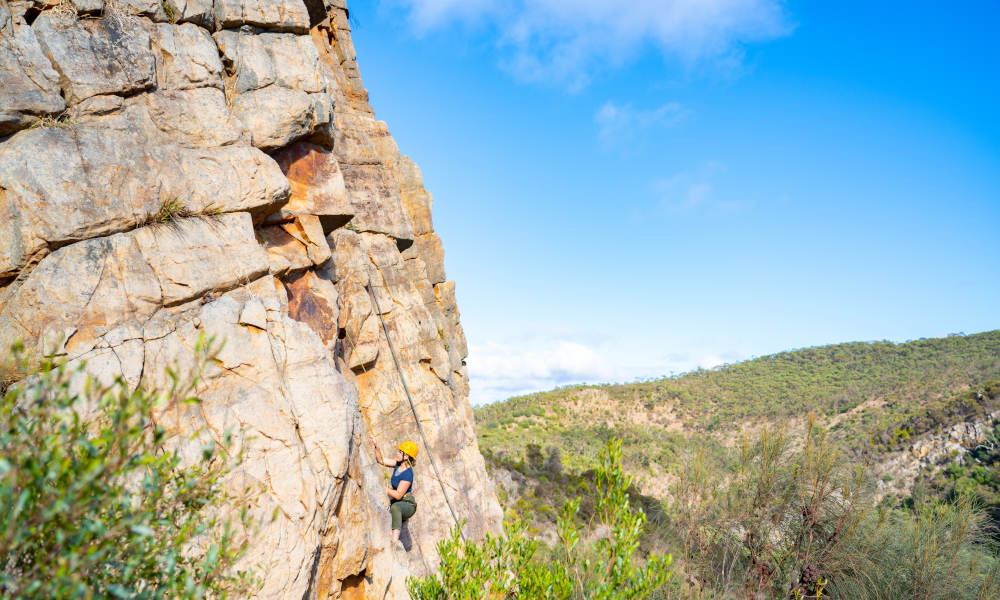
183	168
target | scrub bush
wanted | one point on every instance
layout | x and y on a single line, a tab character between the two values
799	521
511	566
96	502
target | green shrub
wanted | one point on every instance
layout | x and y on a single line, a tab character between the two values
799	522
774	525
938	552
510	566
95	504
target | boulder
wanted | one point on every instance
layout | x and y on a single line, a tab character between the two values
257	61
92	287
296	245
44	174
90	7
416	200
254	314
317	186
199	12
186	57
146	8
314	301
6	19
296	61
196	118
276	116
285	254
349	257
429	249
30	85
282	15
246	59
111	55
362	147
96	106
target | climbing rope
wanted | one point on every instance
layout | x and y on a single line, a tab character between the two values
409	398
364	370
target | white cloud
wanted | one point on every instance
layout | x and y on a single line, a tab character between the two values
710	362
498	371
695	191
566	42
621	124
427	14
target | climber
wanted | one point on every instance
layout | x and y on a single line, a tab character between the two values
402	504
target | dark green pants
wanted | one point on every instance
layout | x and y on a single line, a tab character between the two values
401	511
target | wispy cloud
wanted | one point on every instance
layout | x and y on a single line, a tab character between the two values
567	42
621	124
694	190
500	370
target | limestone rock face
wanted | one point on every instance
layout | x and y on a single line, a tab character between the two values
30	84
105	56
189	169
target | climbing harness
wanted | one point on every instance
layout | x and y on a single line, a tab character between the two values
409	398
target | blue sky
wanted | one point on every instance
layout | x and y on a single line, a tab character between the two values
632	189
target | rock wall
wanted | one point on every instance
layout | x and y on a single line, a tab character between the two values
187	168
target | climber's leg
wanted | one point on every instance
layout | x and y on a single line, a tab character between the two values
400	512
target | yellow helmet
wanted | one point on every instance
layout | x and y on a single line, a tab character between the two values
409	448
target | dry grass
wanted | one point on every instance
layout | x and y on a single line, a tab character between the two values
173	208
61	121
170	210
170	11
64	8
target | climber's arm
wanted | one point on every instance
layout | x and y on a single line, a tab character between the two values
378	456
398	493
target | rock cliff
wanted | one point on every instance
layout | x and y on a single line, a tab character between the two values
212	167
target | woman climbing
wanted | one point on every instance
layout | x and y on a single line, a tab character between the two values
402	504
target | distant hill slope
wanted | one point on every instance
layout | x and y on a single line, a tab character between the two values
858	389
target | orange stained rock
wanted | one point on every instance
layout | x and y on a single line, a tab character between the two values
316	182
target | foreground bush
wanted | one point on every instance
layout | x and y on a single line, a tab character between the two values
798	521
93	504
937	552
510	567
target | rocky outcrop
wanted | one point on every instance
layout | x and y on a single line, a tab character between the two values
189	169
900	469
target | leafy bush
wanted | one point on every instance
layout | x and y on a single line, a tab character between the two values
95	503
498	567
510	566
787	522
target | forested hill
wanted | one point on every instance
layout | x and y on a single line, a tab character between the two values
857	389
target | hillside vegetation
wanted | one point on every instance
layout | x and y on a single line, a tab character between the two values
859	390
810	473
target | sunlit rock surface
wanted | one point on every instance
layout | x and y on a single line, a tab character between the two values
190	168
